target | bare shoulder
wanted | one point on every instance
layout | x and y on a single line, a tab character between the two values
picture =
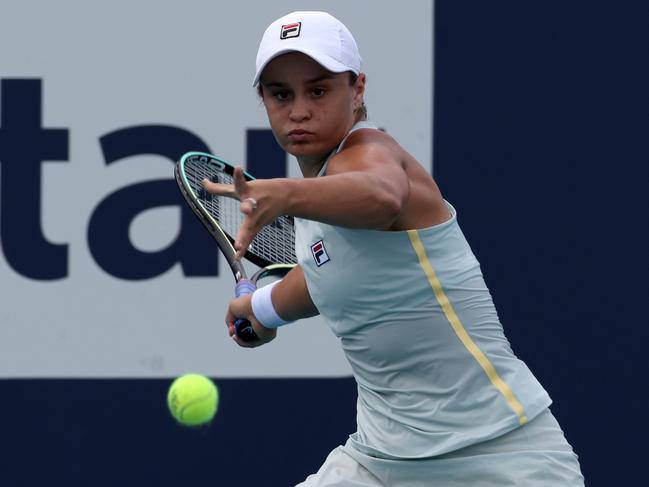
364	149
381	153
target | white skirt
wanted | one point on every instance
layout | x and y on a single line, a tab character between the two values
534	455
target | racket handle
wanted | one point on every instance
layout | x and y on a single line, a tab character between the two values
243	327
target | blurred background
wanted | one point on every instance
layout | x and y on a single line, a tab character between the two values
532	116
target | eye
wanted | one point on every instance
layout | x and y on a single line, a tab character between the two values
318	92
281	95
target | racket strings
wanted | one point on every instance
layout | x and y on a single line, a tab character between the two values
274	243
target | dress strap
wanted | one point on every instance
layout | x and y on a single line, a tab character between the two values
363	124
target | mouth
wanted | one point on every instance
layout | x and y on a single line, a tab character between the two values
298	135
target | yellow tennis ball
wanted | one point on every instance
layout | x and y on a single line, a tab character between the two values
193	399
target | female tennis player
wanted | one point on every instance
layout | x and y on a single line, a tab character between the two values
442	399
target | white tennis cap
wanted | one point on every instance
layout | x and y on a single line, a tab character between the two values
319	35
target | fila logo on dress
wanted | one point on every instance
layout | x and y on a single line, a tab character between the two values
290	30
319	253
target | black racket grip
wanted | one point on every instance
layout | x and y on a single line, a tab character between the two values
243	327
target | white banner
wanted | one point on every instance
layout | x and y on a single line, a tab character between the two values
103	67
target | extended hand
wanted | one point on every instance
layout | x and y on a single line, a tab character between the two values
262	201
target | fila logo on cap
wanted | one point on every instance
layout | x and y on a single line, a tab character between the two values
319	253
290	30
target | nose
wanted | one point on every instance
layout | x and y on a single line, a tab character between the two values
300	109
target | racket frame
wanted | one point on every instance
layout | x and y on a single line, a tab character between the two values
224	241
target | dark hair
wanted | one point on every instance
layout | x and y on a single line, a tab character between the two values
362	111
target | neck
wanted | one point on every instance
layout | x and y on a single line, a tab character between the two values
311	166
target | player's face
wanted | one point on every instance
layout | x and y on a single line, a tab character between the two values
309	108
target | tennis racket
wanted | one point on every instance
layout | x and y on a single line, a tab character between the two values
273	248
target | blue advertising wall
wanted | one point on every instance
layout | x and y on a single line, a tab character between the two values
541	130
540	142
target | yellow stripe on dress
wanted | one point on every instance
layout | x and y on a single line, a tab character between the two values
461	332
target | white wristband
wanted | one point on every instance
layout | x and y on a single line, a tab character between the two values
262	307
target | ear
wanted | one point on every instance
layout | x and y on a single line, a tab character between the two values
359	91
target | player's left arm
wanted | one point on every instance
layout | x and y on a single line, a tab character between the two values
366	186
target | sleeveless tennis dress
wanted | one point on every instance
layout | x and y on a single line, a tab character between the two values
442	399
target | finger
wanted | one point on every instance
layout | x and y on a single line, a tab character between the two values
241	246
240	183
248	205
220	189
240	253
245	236
229	322
236	310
